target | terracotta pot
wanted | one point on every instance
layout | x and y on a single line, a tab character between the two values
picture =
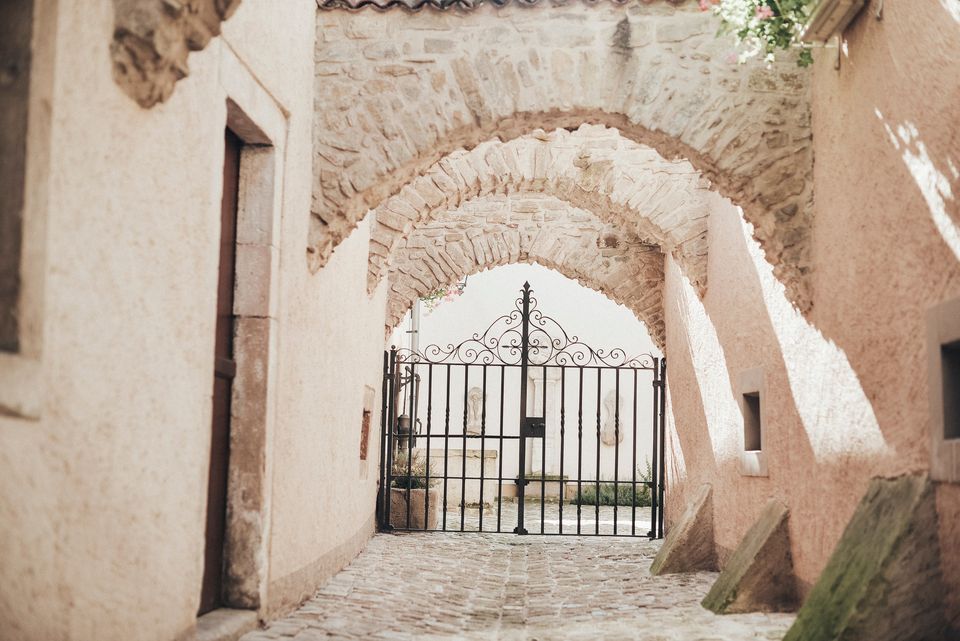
418	509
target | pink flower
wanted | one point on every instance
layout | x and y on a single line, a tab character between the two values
732	58
705	4
764	12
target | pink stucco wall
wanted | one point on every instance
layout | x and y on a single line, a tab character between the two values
887	233
820	437
847	393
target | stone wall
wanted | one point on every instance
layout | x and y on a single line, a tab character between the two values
397	92
498	230
625	185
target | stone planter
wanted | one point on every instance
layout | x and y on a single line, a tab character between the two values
552	488
418	508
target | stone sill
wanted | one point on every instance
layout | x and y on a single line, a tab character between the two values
829	18
754	463
21	386
226	624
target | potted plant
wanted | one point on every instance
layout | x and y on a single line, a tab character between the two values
414	504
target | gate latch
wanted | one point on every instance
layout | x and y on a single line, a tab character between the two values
533	427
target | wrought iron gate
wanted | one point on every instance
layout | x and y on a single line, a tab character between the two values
549	461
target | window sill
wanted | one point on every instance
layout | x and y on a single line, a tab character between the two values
753	463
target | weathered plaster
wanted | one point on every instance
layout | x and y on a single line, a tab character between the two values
152	39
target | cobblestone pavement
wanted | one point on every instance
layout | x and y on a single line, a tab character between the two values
495	586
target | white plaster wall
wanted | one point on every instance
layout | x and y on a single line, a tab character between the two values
594	319
102	498
332	346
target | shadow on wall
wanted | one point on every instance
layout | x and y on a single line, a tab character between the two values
935	184
693	356
821	440
837	417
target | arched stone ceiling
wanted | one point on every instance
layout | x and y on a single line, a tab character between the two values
664	203
397	92
526	228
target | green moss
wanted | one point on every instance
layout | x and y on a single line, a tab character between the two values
852	588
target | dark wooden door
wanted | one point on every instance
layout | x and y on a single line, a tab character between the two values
224	371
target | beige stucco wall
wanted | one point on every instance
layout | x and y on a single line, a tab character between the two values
102	497
332	347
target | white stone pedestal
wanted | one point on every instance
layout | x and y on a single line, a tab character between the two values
455	460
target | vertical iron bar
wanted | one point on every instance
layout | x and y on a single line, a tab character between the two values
463	457
384	490
446	448
663	438
655	467
426	498
633	502
616	449
483	434
543	455
563	484
580	452
524	360
391	427
596	523
413	376
503	376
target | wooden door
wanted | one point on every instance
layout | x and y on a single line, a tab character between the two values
224	371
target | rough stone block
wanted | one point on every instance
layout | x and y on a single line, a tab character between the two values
689	545
759	576
883	581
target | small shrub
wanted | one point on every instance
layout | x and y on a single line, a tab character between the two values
414	476
621	493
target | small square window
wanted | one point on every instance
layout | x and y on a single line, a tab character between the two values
950	371
943	350
751	422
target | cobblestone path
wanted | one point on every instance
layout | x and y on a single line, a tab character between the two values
484	586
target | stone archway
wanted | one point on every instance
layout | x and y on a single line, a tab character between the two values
397	92
664	203
500	230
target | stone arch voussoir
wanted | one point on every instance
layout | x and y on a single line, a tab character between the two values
664	203
529	228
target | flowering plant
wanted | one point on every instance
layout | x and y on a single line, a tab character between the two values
763	26
447	293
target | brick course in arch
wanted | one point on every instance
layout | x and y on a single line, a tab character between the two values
398	92
529	228
664	203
